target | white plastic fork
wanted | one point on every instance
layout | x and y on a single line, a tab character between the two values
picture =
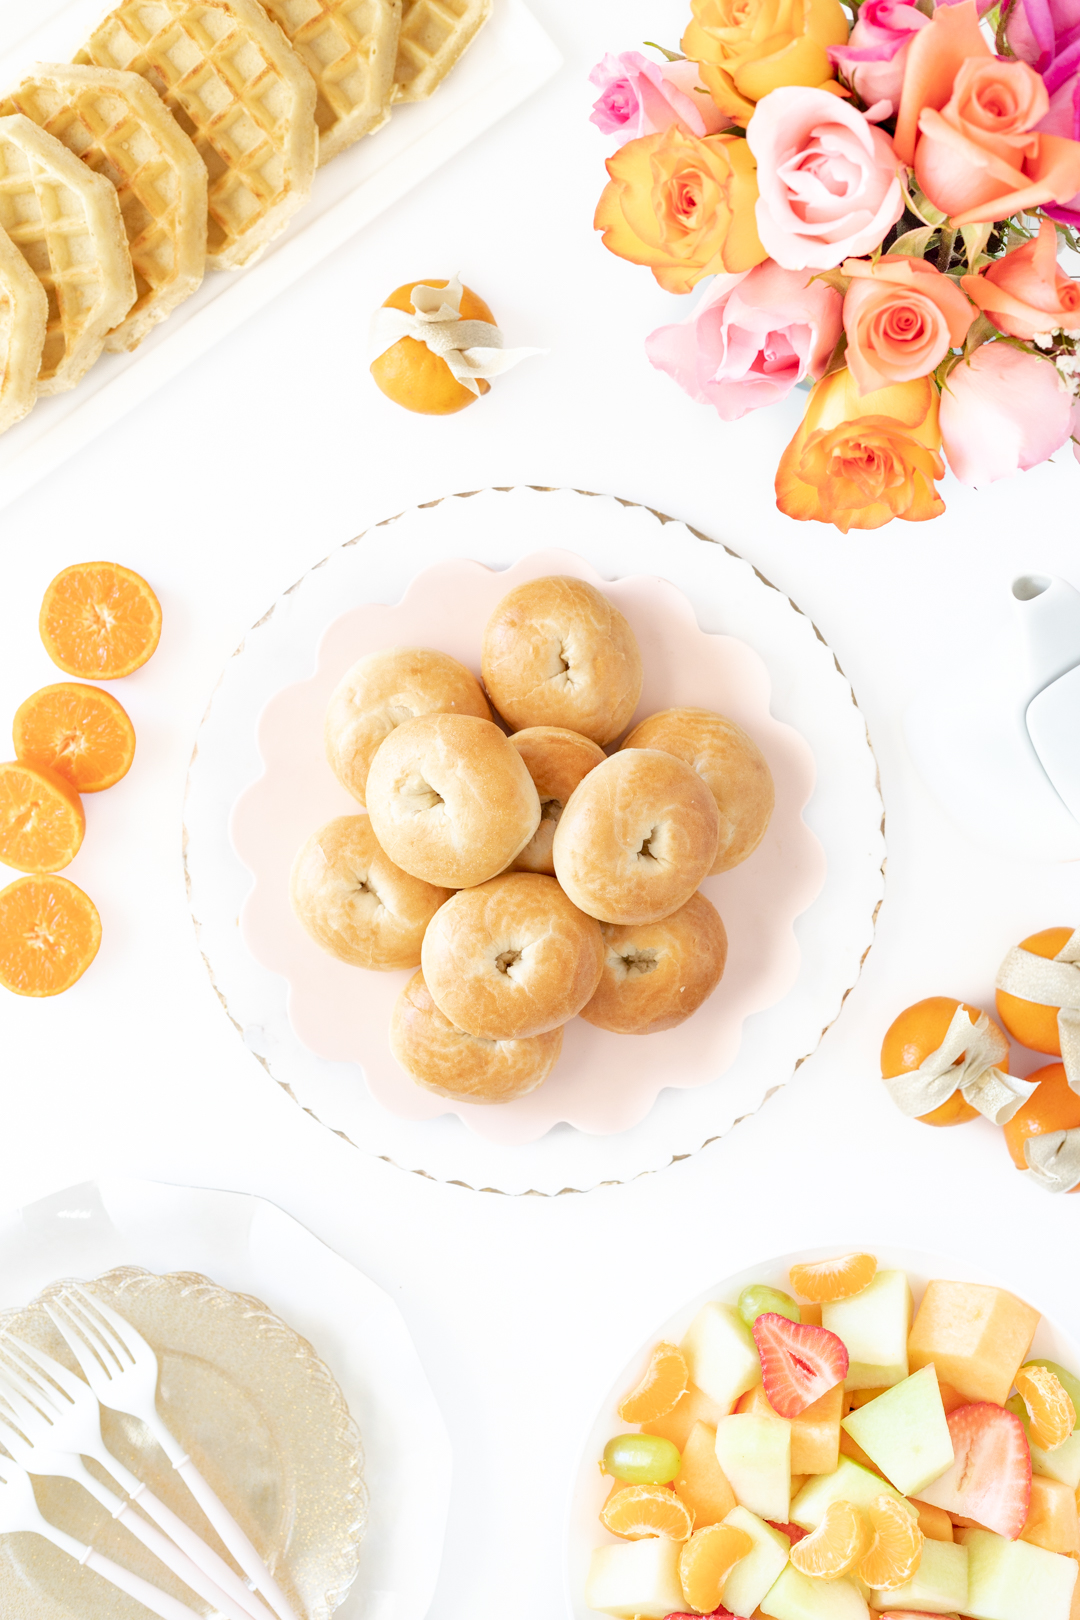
122	1371
19	1511
73	1409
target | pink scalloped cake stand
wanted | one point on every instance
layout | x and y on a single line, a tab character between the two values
603	1083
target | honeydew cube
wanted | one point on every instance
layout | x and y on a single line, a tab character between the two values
849	1482
800	1597
815	1433
1012	1580
755	1574
754	1452
905	1432
1052	1519
938	1586
721	1354
874	1326
1063	1463
975	1336
634	1579
702	1484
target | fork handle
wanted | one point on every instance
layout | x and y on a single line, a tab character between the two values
158	1602
195	1548
182	1565
235	1539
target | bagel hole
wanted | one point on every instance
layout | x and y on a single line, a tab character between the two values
551	809
421	794
638	963
507	959
645	853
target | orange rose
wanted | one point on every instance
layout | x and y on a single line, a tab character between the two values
682	205
860	460
901	317
745	48
1027	292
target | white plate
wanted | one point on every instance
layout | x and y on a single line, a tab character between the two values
584	1530
252	1247
511	57
809	692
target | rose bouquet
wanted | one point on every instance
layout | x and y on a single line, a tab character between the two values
879	194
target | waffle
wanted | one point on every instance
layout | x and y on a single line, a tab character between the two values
24	310
434	34
120	129
236	86
350	49
66	222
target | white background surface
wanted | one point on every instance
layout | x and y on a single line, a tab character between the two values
222	490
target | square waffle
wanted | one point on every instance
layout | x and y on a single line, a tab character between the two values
236	86
66	222
434	34
350	49
24	311
120	128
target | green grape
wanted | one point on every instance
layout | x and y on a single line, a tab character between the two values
759	1298
1068	1381
642	1459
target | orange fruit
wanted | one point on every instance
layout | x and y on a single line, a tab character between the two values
1052	1106
839	1540
49	935
895	1549
1051	1413
824	1281
917	1032
707	1560
664	1382
646	1510
410	375
1029	1022
99	619
80	732
41	818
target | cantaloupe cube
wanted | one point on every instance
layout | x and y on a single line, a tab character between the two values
810	1313
693	1406
934	1522
1052	1518
850	1447
703	1485
636	1580
815	1433
975	1336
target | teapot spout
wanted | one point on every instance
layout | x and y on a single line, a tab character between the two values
1049	613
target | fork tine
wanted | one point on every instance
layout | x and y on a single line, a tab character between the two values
20	1407
109	1324
13	1379
65	1380
91	1359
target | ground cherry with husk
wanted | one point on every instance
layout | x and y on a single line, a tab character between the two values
642	1459
759	1298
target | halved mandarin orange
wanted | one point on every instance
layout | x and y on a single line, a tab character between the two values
825	1281
49	935
1052	1106
412	376
665	1380
1029	1022
80	732
911	1038
1051	1413
895	1549
99	619
707	1560
41	818
835	1545
646	1510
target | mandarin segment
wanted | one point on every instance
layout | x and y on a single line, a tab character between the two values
647	1510
1051	1413
707	1560
80	732
100	620
49	935
41	818
835	1545
1029	1022
665	1381
895	1547
824	1281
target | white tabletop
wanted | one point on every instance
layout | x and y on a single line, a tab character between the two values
223	489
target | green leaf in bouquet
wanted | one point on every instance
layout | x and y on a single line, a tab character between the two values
981	330
975	240
913	244
998	18
838	358
921	206
670	56
834	279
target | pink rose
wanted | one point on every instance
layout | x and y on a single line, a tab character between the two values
1027	292
901	317
827	179
639	97
873	59
1075	429
751	339
1002	411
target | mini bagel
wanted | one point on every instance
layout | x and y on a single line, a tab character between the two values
356	903
557	760
731	765
557	653
656	974
512	958
383	690
465	1067
636	838
450	800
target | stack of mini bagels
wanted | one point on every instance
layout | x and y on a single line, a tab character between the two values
531	877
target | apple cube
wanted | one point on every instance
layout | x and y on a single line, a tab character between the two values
1052	1519
636	1578
849	1482
693	1406
702	1484
754	1452
905	1432
800	1597
938	1586
721	1354
1012	1580
975	1336
753	1575
874	1325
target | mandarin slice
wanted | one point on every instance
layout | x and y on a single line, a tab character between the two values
1050	1411
664	1382
99	619
1029	1022
646	1510
910	1038
824	1281
895	1549
80	732
49	935
835	1545
41	818
707	1560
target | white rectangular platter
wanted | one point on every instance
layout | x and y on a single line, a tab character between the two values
511	57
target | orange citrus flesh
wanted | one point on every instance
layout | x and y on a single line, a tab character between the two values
49	935
824	1281
1052	1106
895	1549
1051	1413
838	1542
707	1560
100	620
80	732
1028	1022
664	1382
41	818
410	375
917	1032
646	1510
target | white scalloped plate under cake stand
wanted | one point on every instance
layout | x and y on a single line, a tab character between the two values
498	528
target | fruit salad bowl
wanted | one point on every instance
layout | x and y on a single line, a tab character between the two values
902	1405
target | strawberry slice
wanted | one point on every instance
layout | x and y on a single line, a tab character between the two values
990	1479
799	1362
793	1532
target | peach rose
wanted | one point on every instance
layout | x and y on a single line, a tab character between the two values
1027	292
858	461
745	48
967	125
901	317
684	206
